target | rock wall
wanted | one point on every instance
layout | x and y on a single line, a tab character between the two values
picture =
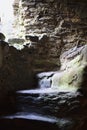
51	27
48	27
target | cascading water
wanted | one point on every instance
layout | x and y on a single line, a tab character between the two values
44	107
47	108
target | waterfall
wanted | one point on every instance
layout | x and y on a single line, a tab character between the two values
6	17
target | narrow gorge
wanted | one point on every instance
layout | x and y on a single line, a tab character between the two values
43	64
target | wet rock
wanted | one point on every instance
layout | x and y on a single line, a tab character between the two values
69	56
71	74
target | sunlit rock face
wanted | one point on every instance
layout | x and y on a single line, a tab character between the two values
71	74
61	23
50	25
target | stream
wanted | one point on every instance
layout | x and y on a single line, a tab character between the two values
45	108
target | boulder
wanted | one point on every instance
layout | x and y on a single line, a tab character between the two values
71	74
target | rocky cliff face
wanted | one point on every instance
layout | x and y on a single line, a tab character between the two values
48	27
51	26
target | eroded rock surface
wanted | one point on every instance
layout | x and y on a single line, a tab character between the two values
51	26
71	74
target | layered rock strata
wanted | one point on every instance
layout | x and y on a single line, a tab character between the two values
51	26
